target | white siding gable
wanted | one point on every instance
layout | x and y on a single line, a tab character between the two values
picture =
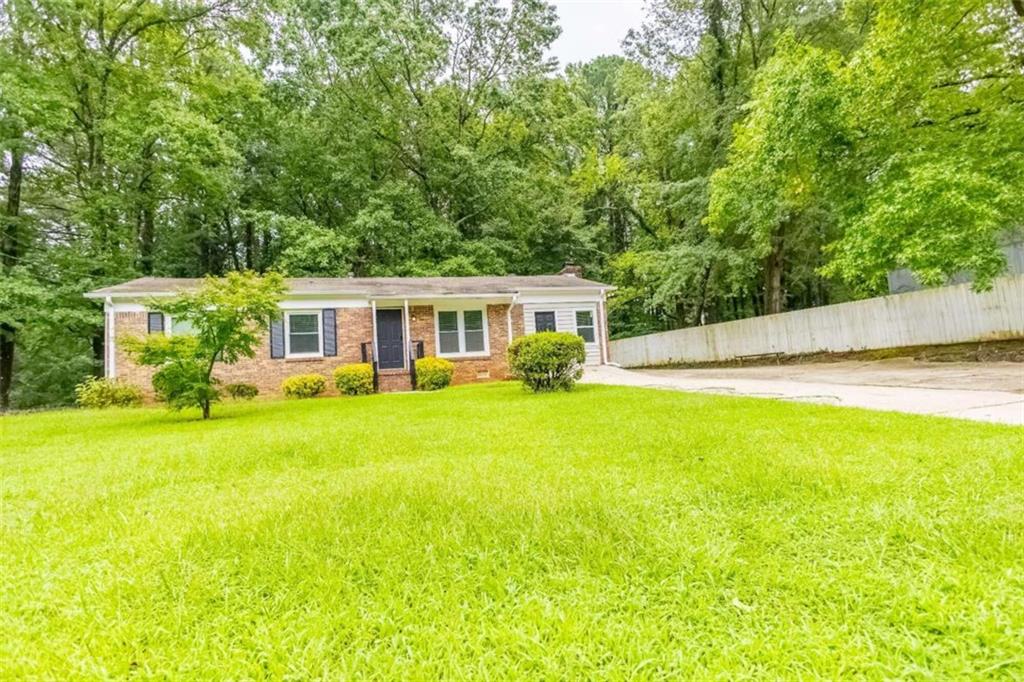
565	321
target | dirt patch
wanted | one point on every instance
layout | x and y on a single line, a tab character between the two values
1010	350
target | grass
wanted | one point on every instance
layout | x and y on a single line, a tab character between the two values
483	533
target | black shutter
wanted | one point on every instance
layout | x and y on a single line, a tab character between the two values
330	333
277	338
156	323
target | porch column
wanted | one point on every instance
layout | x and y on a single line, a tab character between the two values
408	341
373	317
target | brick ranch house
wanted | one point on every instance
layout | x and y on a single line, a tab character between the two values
328	322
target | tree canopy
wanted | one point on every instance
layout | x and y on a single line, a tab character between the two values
742	157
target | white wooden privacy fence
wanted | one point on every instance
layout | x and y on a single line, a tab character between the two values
952	314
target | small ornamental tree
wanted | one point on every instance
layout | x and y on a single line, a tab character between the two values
228	316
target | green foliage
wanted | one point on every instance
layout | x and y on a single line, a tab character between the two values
568	536
547	361
229	316
242	391
98	393
304	386
744	157
433	373
354	379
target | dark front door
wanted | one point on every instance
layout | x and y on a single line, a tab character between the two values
390	344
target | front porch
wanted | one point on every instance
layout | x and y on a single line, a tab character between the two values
472	333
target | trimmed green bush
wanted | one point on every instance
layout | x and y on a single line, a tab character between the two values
303	386
354	379
242	391
547	361
95	392
433	373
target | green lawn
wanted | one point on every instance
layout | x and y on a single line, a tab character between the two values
484	533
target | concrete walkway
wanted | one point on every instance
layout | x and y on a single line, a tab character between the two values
991	392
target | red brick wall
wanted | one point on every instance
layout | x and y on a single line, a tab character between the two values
354	326
467	370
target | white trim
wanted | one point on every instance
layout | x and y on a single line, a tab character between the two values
168	325
362	298
602	339
460	312
405	341
309	303
319	334
557	297
407	346
592	325
373	341
508	319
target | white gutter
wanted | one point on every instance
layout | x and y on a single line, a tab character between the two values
515	297
353	294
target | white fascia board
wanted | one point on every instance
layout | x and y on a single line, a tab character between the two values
127	307
132	295
592	296
292	303
453	301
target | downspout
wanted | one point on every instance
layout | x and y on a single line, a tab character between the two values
604	329
110	371
508	315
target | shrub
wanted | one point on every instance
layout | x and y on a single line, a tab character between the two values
547	361
242	391
433	373
303	386
354	379
94	392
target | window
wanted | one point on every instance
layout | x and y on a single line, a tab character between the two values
448	332
302	337
474	324
461	332
544	321
180	327
585	325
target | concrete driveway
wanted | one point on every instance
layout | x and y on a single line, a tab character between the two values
991	392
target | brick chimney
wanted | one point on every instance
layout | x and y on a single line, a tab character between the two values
571	270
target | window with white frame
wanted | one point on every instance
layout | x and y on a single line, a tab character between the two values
585	325
461	332
302	334
179	327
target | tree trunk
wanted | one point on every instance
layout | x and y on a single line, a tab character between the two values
250	245
702	300
773	299
715	10
206	409
6	366
147	219
10	250
98	352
